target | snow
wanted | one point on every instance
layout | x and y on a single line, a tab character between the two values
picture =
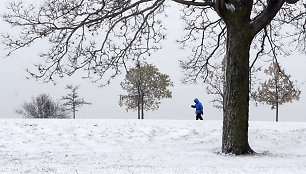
230	6
147	146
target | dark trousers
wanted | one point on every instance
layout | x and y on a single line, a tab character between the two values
199	117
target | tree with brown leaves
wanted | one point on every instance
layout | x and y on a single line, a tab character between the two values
278	89
145	86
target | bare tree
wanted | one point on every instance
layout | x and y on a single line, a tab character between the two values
215	81
214	84
100	36
72	100
146	86
42	106
278	89
241	26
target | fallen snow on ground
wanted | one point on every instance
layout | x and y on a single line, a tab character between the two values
134	146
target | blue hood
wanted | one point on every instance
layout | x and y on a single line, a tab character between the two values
196	100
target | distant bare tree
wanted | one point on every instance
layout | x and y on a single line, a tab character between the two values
145	86
215	82
42	106
72	100
278	89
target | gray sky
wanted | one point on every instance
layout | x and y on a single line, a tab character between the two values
15	89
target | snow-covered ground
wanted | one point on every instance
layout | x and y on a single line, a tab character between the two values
149	146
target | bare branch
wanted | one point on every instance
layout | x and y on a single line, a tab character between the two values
195	3
266	16
206	37
83	35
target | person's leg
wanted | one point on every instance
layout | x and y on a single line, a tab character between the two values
199	117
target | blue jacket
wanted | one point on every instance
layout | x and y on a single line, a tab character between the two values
198	106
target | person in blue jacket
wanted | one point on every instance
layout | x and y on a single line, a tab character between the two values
199	109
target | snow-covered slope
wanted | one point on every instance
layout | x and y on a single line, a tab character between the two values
134	146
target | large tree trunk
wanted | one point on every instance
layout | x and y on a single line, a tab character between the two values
236	100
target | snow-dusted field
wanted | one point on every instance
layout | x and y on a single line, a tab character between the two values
133	146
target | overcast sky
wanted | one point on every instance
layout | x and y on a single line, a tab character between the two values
15	89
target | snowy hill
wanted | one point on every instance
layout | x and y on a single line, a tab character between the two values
133	146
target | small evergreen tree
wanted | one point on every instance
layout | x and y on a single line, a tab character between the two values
145	86
278	89
42	106
72	100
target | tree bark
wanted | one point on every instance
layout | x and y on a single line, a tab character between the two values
236	100
142	105
276	105
138	106
73	110
276	111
